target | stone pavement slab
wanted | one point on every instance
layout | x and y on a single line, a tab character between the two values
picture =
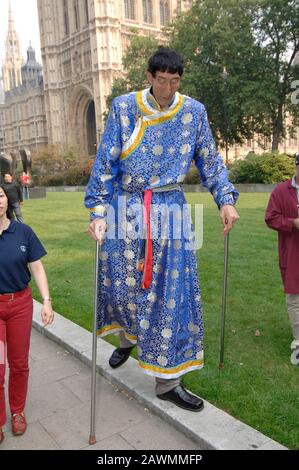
129	415
58	409
211	428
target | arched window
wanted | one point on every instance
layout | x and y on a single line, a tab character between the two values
66	18
130	10
76	15
147	7
164	12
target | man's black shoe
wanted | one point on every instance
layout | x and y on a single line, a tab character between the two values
180	397
119	357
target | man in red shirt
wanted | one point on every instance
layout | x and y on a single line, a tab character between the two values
25	179
282	214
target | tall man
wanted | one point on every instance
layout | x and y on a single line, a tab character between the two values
148	278
282	214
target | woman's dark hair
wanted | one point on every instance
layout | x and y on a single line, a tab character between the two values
9	212
166	60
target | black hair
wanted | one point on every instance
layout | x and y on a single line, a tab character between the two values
9	212
166	60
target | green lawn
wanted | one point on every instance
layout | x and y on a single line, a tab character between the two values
258	384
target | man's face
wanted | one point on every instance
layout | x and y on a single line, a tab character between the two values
164	86
7	178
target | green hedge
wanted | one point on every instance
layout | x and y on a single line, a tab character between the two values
74	176
268	168
79	176
192	176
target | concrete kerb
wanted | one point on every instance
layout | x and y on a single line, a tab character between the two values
211	428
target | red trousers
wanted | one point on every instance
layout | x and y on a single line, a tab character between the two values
15	330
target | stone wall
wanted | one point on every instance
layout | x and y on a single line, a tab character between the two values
37	193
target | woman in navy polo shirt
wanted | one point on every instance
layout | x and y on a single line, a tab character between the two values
19	249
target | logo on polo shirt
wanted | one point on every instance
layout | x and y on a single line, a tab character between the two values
23	248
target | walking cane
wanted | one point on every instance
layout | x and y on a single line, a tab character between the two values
226	240
92	436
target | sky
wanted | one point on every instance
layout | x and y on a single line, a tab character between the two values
26	23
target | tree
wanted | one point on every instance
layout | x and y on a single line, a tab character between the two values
135	65
232	34
276	23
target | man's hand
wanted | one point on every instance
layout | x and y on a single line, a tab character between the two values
228	216
97	229
296	223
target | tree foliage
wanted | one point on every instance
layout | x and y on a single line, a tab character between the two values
256	42
135	65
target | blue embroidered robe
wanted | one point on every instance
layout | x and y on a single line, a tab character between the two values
144	147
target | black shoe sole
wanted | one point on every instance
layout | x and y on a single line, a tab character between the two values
119	364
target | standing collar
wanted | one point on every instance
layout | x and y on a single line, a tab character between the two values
154	103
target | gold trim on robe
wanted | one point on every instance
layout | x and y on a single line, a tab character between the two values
152	118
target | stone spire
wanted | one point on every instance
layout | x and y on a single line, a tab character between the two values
32	70
13	56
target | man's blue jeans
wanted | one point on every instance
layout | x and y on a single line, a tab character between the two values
17	212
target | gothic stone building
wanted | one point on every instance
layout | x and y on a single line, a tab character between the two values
82	45
22	113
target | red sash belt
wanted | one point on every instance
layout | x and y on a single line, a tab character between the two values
147	268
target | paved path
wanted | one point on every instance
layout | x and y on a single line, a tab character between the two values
58	409
129	415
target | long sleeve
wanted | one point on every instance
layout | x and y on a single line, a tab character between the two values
100	186
274	217
213	173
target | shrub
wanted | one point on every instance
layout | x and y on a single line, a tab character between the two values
47	161
277	168
248	170
52	180
88	167
268	168
75	176
50	160
70	157
51	167
192	176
